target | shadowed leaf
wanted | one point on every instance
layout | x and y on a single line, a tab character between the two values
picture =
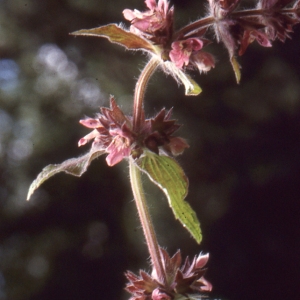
74	166
236	68
167	174
117	35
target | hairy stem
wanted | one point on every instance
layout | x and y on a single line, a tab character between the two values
139	196
139	92
194	27
209	21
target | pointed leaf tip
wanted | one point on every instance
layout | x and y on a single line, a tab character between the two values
167	174
236	68
191	86
74	166
118	35
193	89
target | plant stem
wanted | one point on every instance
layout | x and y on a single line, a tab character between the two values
208	21
194	27
140	201
139	92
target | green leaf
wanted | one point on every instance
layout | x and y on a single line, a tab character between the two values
236	68
74	166
191	87
167	174
119	36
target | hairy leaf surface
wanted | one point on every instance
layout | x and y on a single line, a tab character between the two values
167	174
74	166
117	35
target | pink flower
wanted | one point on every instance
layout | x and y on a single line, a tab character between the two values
203	61
158	294
175	51
155	23
252	35
112	133
117	149
182	50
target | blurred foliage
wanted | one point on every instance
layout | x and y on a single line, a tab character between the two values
76	237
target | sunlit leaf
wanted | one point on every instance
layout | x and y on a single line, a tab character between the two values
236	68
117	35
191	86
167	174
74	166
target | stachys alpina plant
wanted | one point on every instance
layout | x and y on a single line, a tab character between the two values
150	144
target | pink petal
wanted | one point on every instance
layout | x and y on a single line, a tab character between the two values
202	260
262	38
117	151
160	295
182	50
251	35
129	14
194	44
151	4
163	6
88	137
113	158
178	58
177	46
90	123
207	286
82	142
142	24
177	145
203	60
178	55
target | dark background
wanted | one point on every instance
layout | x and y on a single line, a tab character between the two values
77	236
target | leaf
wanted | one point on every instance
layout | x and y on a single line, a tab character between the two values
117	35
236	68
191	86
167	174
74	166
192	89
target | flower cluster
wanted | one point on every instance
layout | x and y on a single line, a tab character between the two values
183	282
272	19
236	29
113	133
117	134
156	25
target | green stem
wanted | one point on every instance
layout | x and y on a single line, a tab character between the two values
140	201
139	92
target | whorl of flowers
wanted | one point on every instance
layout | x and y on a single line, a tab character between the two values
113	133
183	281
271	20
156	25
235	28
123	136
